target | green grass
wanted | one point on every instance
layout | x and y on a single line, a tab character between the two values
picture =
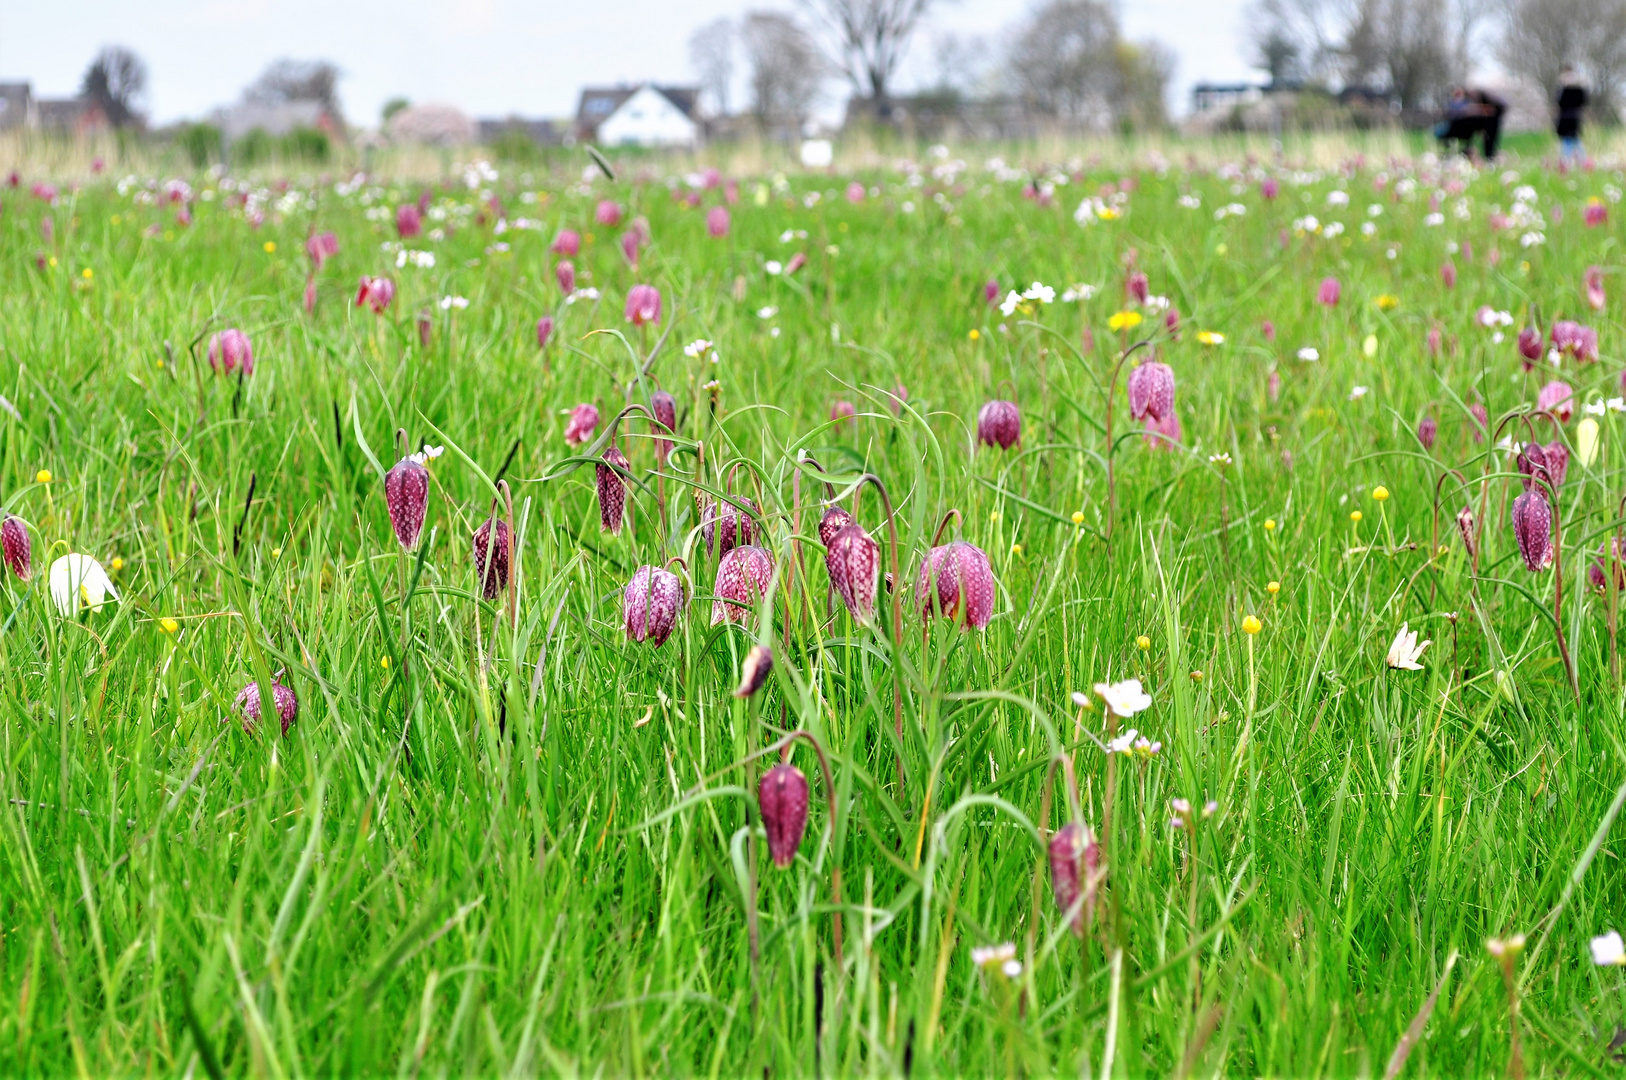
487	848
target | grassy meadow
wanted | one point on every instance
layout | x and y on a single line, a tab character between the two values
501	838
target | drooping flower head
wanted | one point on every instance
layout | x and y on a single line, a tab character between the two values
320	247
1448	274
229	350
630	246
1530	349
1596	213
754	671
492	539
1328	292
1575	341
726	525
964	584
651	604
834	520
544	330
742	578
853	560
1557	398
1164	433
583	422
1533	530
376	293
1470	535
1593	282
990	291
717	222
565	272
1428	429
282	697
1137	287
406	493
1075	856
643	305
80	583
408	221
1151	391
612	489
999	423
1610	553
1481	424
782	799
18	547
664	408
608	212
1269	188
843	410
568	243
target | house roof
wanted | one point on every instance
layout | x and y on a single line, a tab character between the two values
598	104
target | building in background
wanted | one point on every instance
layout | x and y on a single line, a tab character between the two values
646	115
274	118
16	106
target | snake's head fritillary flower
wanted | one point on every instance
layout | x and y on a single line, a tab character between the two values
999	423
1151	391
426	328
1433	340
544	330
320	247
1594	288
1481	424
1531	463
565	272
1609	555
782	799
1530	347
17	546
1075	857
583	422
834	520
1558	462
1137	286
568	243
742	578
853	560
629	248
376	293
310	295
1171	322
843	410
797	261
607	213
643	305
406	493
664	408
1164	432
726	525
754	671
717	221
1269	188
1404	652
1273	384
1533	530
612	489
1428	430
1328	292
282	698
1268	330
1557	398
229	350
408	221
964	580
1596	213
1448	274
1572	339
492	539
651	604
1470	535
991	291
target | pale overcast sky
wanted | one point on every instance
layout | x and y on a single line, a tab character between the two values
488	57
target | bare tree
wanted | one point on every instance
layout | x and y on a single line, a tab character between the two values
299	80
116	81
1295	39
1402	47
786	69
1064	61
869	38
1145	70
1541	37
962	65
711	53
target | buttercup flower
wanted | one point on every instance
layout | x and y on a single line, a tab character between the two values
1123	320
1404	652
79	583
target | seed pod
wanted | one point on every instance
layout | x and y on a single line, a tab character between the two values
853	561
727	525
1533	529
406	493
782	798
742	577
248	706
1074	858
1470	534
754	671
650	604
1427	431
664	408
493	578
964	584
1151	391
18	547
612	489
834	520
999	423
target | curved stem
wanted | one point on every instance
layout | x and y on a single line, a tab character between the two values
1112	394
941	525
897	616
830	804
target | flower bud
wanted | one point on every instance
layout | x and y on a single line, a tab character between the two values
782	798
408	221
717	221
230	350
999	423
1074	858
1428	430
742	578
1470	535
754	671
612	489
544	330
1533	530
650	604
853	560
248	706
664	408
492	539
406	493
964	584
566	273
834	520
18	546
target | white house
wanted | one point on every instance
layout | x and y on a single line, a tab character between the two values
645	115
